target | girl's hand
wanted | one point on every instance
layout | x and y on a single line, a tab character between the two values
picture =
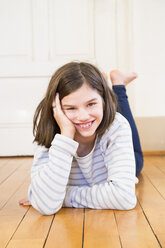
66	126
25	202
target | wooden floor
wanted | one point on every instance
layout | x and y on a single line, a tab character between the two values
73	228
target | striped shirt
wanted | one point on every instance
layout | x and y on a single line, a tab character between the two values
103	179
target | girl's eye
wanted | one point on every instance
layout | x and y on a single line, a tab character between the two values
91	104
70	109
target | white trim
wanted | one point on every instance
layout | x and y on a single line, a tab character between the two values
124	34
35	69
16	125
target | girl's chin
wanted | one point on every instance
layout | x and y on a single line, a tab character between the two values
85	134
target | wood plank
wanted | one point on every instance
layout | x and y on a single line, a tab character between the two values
11	215
26	243
12	183
100	229
157	161
156	176
134	229
8	226
154	153
67	229
153	206
4	161
142	227
10	166
12	207
32	231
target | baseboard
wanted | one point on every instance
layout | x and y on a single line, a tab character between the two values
154	153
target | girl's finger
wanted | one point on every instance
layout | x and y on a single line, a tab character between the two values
57	101
24	202
53	104
27	203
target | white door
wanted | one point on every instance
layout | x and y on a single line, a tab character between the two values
38	36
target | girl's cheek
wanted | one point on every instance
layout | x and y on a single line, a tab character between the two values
98	111
69	115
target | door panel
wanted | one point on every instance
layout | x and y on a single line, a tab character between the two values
38	36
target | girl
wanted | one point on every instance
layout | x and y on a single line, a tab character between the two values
86	157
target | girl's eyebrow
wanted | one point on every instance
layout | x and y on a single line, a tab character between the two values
69	105
91	100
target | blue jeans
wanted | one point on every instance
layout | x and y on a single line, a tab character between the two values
124	109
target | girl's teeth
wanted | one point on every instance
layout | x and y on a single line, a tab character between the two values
86	125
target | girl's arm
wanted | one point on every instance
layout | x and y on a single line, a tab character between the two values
50	173
118	192
51	168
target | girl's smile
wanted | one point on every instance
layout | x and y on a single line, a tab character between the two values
84	108
86	125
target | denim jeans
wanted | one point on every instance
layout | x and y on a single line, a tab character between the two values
124	109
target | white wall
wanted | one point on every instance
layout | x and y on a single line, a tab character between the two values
37	36
149	56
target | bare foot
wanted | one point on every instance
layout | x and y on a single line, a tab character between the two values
25	202
120	78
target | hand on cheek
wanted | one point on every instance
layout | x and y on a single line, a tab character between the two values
66	126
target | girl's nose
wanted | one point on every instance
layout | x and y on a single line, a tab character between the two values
82	115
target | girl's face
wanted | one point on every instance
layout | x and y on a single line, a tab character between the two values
84	108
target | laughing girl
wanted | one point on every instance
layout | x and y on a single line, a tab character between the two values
89	151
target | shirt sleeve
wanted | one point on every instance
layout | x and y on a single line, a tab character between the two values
50	173
118	192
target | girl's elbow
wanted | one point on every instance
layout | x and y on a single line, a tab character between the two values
45	209
126	203
49	211
131	205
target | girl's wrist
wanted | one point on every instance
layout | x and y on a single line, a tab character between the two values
68	134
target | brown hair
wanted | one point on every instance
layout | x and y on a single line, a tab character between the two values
65	80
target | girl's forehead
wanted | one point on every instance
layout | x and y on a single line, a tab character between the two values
84	93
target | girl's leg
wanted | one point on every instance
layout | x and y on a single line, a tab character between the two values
124	109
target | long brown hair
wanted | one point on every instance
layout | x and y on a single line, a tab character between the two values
65	80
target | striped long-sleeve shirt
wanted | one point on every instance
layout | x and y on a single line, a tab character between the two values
103	179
